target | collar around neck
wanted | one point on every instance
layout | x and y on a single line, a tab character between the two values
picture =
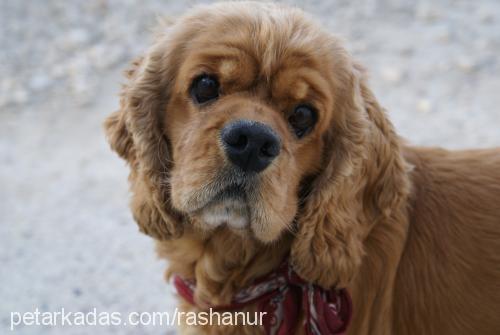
285	298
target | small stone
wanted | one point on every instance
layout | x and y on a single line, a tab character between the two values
106	57
466	64
75	38
39	82
77	292
441	66
6	84
58	71
486	14
20	96
426	12
359	46
442	34
81	87
391	75
482	44
424	106
4	101
407	51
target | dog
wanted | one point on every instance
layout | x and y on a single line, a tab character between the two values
257	150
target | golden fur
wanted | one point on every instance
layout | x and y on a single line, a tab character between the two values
413	233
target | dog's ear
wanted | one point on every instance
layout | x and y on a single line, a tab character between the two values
362	180
136	133
115	126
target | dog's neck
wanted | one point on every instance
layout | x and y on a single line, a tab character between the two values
222	262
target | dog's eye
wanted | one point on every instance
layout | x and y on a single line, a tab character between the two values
302	119
205	88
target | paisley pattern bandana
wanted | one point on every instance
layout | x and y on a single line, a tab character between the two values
285	297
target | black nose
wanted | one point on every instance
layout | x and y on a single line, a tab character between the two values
250	145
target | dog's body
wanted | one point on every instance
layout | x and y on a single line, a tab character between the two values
252	137
444	258
445	280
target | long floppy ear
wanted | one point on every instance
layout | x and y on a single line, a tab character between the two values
135	133
362	183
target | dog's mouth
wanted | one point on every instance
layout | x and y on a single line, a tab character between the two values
228	207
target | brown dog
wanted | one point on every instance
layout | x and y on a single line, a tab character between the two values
251	137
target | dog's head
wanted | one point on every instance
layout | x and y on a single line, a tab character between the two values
239	115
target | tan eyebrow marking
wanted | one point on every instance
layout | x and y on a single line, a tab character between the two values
228	68
299	90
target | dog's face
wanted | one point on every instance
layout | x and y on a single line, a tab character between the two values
229	114
245	120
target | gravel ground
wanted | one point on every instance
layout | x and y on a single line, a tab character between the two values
66	236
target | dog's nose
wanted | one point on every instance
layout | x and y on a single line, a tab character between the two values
250	145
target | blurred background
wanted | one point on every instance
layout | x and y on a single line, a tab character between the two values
67	238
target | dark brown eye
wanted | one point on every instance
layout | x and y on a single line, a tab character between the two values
302	120
204	88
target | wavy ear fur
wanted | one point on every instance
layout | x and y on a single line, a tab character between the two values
135	133
364	180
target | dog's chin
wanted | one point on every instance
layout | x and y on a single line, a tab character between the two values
231	212
229	208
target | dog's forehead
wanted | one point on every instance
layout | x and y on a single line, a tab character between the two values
237	55
273	35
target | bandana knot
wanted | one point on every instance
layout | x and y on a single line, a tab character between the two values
284	296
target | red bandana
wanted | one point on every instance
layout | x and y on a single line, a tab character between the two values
283	295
